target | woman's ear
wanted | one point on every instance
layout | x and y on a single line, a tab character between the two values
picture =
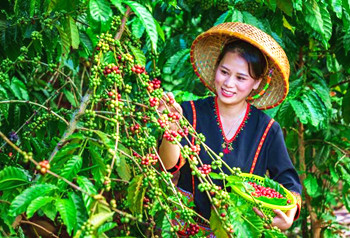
257	83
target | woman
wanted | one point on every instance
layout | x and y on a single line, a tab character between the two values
248	71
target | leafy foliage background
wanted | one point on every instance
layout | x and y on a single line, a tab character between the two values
47	55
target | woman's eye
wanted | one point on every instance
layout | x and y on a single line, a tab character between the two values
241	78
224	72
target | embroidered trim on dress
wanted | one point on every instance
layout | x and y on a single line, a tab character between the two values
262	140
227	145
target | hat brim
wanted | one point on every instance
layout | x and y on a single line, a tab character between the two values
206	48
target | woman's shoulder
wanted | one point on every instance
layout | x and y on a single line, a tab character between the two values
263	119
199	104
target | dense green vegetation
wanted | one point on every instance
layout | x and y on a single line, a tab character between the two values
75	94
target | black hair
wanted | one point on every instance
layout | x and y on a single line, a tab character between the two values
256	60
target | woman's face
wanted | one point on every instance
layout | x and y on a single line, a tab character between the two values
232	80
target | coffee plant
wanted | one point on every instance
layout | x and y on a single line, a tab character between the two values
80	83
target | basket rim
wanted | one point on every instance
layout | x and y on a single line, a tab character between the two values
267	205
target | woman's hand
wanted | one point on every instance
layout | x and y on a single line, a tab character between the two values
282	220
168	102
168	152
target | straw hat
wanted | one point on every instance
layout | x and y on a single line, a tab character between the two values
207	47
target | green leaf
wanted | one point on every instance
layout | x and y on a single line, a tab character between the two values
336	6
237	16
32	8
160	30
223	17
346	106
299	110
248	225
67	212
252	20
99	170
327	23
173	62
139	56
216	225
37	203
319	19
98	219
332	63
105	140
100	10
50	211
166	227
70	97
19	89
71	169
215	175
72	32
21	202
322	91
66	150
268	233
274	185
87	186
346	196
65	41
334	175
346	42
311	186
317	110
123	169
313	16
11	177
137	28
286	6
106	227
273	201
272	4
119	5
344	174
81	213
136	193
147	20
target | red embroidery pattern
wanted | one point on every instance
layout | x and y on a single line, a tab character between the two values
298	197
194	127
227	145
262	140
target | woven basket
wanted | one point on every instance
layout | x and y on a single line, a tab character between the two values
206	48
266	207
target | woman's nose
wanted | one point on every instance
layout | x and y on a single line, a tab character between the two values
229	82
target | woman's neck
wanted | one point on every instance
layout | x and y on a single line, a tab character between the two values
231	110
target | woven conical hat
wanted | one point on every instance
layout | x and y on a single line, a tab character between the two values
207	47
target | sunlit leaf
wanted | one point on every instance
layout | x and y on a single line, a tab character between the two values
100	10
21	202
147	19
37	203
11	177
311	186
67	211
216	225
346	106
71	169
88	187
136	193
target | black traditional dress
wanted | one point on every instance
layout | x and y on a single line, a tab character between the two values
257	147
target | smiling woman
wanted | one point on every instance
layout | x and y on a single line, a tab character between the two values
247	70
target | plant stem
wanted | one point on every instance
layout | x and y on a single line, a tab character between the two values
72	124
36	104
41	227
